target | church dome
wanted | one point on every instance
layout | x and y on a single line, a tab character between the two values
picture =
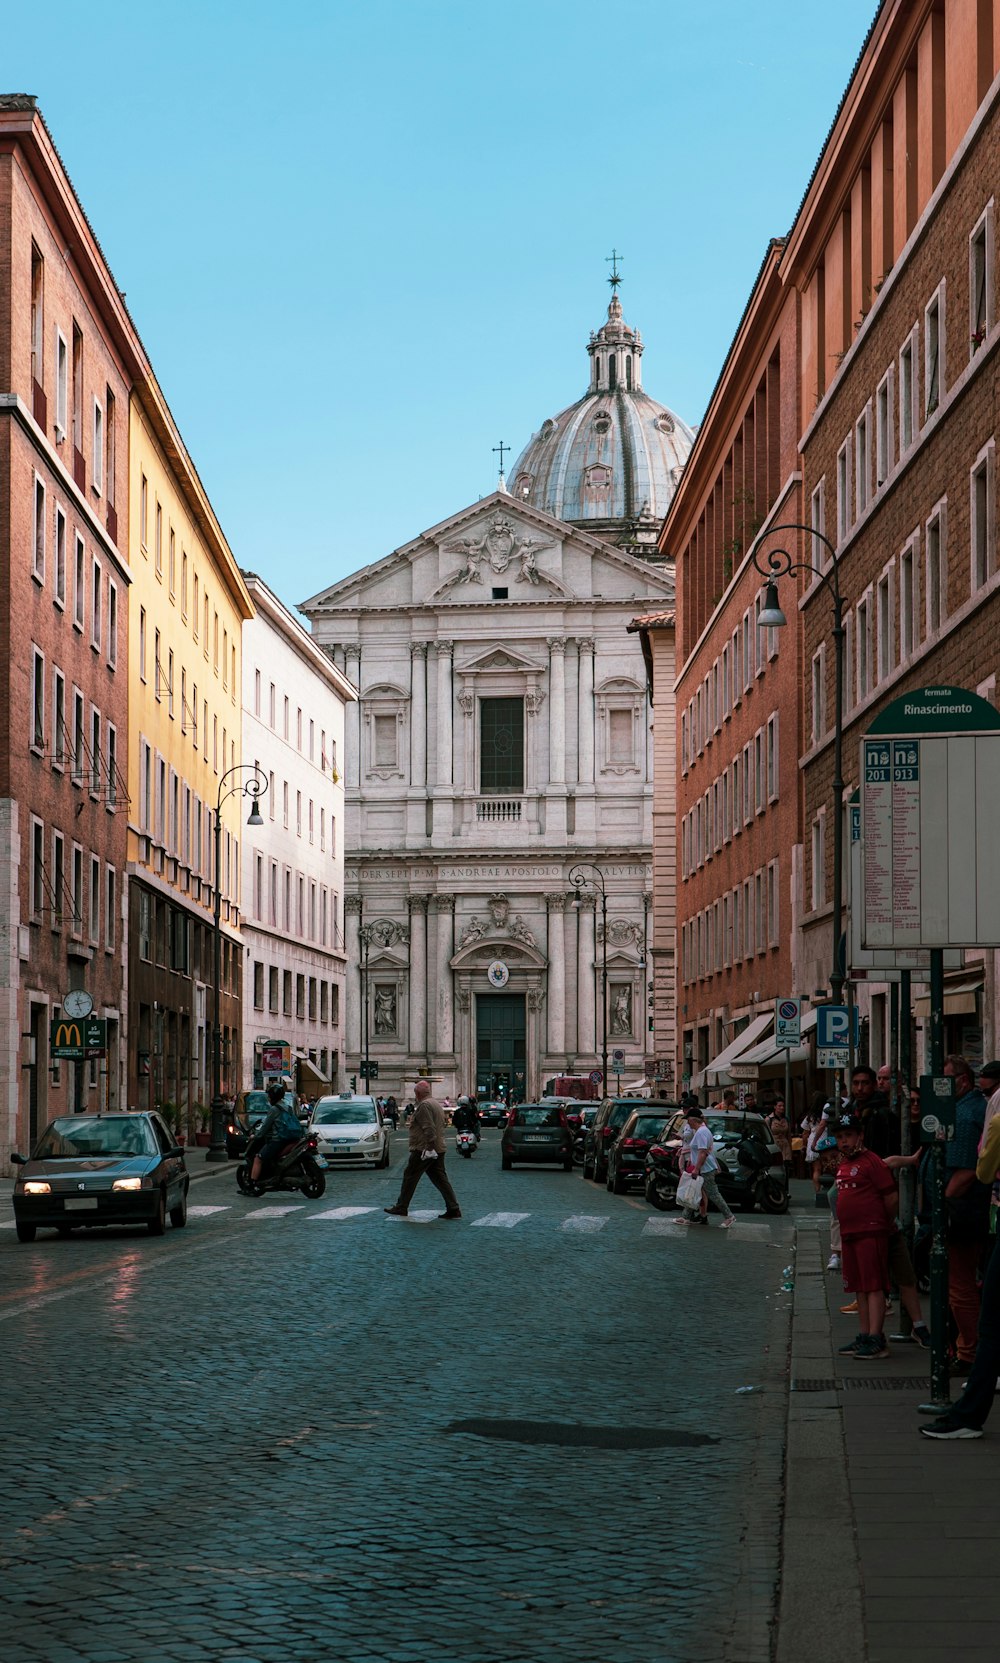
610	462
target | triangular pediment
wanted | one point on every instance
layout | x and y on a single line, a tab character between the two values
501	658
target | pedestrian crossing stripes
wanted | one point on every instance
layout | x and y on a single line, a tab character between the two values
203	1212
586	1224
343	1212
274	1212
500	1221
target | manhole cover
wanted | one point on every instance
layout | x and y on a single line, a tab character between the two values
580	1437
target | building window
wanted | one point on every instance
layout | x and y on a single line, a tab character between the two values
772	904
772	758
184	583
982	517
111	795
157	672
58	895
884	650
258	984
272	988
142	643
37	316
59	720
158	539
862	459
95	750
863	637
78	738
843	491
817	519
77	889
883	428
37	870
98	458
38	540
80	580
144	512
981	281
60	557
96	607
909	626
818	861
110	446
818	694
907	390
171	562
95	900
37	701
934	351
112	624
109	909
77	390
145	933
62	386
937	568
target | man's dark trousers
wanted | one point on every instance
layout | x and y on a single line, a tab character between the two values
412	1173
975	1403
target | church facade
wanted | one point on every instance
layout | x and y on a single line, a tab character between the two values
501	739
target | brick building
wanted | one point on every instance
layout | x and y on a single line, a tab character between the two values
738	824
893	255
67	354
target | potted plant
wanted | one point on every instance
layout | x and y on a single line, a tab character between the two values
203	1117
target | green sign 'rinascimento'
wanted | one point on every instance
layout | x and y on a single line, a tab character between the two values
930	710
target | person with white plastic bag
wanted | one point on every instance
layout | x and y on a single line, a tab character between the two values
701	1166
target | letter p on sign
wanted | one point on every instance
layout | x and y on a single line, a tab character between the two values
833	1026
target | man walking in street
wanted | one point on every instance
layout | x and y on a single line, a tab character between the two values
701	1163
427	1129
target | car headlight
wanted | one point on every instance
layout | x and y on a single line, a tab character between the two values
37	1186
127	1184
373	1137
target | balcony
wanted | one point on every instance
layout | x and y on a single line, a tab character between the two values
498	808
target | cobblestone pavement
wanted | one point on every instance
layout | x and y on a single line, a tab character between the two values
240	1441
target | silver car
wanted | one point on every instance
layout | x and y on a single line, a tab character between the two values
350	1129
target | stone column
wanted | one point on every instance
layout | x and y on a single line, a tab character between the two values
418	714
444	712
533	701
418	976
557	710
467	705
352	919
588	1038
556	904
352	724
586	712
444	991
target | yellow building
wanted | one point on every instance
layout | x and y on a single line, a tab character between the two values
187	605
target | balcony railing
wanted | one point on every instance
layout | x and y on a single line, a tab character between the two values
498	808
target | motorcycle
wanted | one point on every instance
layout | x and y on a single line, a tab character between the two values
299	1167
747	1178
466	1143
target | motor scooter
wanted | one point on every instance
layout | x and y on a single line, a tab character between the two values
466	1143
298	1167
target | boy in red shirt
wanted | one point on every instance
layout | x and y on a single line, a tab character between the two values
867	1199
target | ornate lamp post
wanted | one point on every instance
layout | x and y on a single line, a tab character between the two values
254	789
780	563
580	881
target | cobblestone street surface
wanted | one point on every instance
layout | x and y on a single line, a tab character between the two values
245	1440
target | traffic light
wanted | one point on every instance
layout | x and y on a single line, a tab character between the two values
354	1082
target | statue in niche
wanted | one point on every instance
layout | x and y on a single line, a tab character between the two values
519	931
385	1010
474	931
621	1010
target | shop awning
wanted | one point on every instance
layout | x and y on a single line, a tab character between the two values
768	1054
959	997
717	1071
310	1075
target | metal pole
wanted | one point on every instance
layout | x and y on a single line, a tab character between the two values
365	945
836	974
940	1389
217	1150
604	982
907	1180
895	1099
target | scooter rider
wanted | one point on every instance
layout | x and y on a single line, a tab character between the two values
280	1126
466	1117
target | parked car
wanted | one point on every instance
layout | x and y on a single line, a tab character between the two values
611	1116
91	1169
627	1158
537	1132
351	1128
249	1110
739	1181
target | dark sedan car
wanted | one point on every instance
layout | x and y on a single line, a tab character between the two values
537	1132
602	1132
627	1159
89	1169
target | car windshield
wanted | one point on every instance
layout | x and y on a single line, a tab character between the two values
537	1115
77	1136
344	1114
256	1102
648	1126
620	1113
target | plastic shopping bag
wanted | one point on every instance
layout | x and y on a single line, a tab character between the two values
689	1190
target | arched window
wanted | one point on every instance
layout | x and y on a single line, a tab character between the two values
597	369
612	377
628	372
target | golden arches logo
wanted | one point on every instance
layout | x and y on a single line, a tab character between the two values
68	1033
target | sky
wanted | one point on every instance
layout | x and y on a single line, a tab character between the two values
364	241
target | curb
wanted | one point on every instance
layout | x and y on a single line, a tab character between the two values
819	1514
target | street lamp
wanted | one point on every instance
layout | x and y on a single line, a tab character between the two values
578	878
780	564
254	789
365	938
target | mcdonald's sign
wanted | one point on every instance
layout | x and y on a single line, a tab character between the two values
74	1041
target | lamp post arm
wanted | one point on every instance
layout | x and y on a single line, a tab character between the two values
255	788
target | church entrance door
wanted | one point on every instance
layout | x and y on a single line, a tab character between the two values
500	1047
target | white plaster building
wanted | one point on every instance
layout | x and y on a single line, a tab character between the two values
294	700
502	735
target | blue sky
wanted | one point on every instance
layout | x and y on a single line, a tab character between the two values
365	242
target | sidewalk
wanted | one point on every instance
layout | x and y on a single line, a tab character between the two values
891	1543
